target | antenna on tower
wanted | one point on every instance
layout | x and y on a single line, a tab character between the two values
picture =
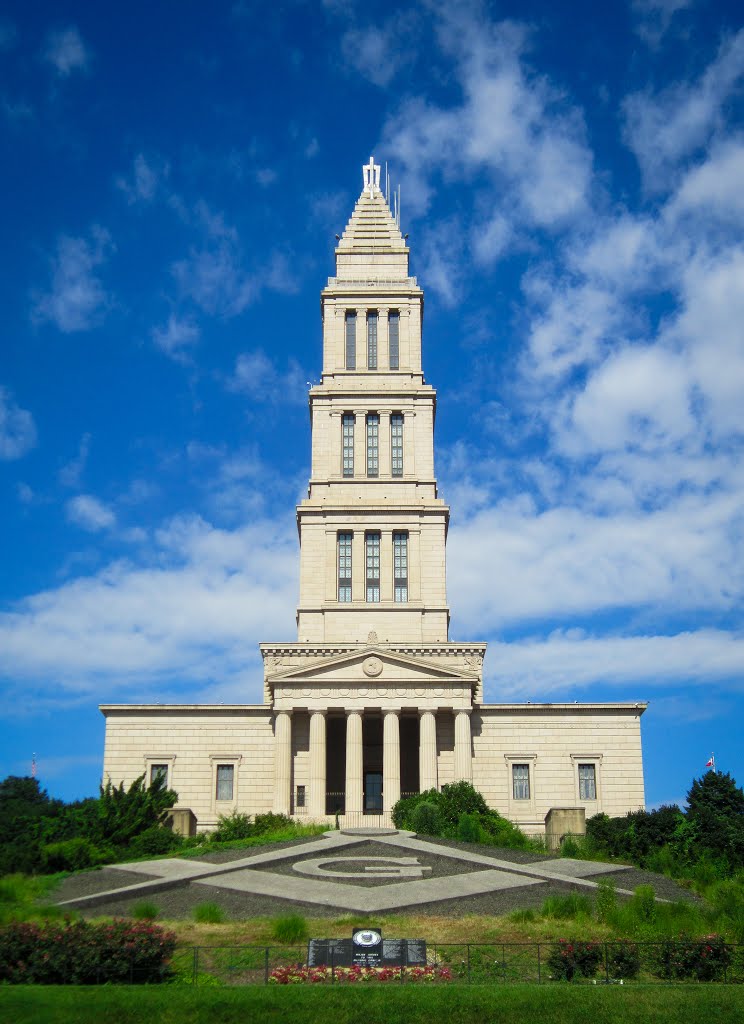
33	766
387	185
397	209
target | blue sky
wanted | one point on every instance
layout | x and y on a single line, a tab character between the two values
572	183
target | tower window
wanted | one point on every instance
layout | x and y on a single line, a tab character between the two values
344	566
225	781
587	782
350	339
400	566
347	434
372	545
521	781
394	339
372	340
396	443
373	444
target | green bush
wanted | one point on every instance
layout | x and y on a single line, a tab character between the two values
469	829
145	910
82	953
502	832
154	842
73	855
290	929
231	827
270	822
568	907
426	819
705	959
623	959
643	904
569	958
605	903
209	913
569	847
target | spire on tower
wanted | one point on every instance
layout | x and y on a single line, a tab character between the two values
371	175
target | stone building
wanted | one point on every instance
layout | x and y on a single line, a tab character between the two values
373	700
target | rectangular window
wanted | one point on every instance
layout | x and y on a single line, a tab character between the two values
225	781
587	782
344	566
350	340
393	338
521	781
372	340
373	444
400	566
347	432
372	545
396	443
159	771
300	801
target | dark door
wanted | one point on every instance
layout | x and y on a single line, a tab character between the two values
373	792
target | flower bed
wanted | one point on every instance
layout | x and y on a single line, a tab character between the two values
302	974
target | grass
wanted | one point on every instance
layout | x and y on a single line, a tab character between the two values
209	913
23	898
290	929
145	910
505	1004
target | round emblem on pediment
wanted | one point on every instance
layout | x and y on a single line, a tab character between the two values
372	667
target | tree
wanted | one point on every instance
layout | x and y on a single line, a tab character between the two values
125	813
715	815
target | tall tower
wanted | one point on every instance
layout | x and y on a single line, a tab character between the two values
372	673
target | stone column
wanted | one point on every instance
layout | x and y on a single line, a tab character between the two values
354	765
317	800
427	750
390	760
463	757
283	762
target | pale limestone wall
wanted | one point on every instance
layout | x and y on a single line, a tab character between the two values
554	741
192	741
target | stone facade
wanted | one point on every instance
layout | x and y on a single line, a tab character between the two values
373	700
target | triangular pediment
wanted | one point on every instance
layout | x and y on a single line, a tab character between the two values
370	664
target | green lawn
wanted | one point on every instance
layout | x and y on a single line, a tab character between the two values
548	1004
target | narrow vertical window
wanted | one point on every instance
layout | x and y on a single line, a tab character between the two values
350	339
372	544
344	566
159	773
396	443
347	435
225	781
521	781
373	444
587	782
393	339
372	340
400	566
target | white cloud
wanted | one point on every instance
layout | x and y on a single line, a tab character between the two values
185	625
66	51
654	17
714	187
72	471
663	129
379	51
568	661
77	299
490	241
257	377
178	337
146	178
90	513
17	428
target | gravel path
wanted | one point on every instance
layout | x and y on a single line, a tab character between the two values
86	883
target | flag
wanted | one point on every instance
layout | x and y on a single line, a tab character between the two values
710	763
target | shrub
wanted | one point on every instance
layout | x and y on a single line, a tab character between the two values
426	819
290	929
569	958
145	910
82	953
569	847
270	822
606	901
73	855
568	907
502	832
469	829
705	959
231	827
623	959
154	842
209	913
643	904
